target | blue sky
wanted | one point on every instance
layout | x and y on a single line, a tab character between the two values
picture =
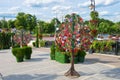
47	9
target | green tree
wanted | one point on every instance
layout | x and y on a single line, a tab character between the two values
31	22
94	15
27	21
0	24
94	20
4	23
54	24
11	23
103	28
21	21
116	28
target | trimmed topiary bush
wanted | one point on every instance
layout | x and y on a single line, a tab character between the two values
18	53
27	52
21	53
52	53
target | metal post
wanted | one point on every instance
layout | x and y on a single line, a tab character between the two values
92	5
55	27
116	48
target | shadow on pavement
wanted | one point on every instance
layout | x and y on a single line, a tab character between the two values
43	55
31	77
95	60
85	74
112	73
35	59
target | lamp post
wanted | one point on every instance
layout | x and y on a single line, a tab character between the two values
92	5
55	25
13	31
37	36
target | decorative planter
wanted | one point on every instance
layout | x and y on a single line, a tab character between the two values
75	59
61	57
52	56
81	59
81	56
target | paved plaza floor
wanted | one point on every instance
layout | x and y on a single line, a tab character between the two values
40	67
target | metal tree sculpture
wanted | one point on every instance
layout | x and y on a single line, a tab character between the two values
71	37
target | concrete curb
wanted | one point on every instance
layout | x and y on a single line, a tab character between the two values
107	55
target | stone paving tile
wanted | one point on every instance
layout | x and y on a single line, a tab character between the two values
40	67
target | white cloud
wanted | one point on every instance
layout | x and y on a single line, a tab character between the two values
84	4
117	13
45	8
82	13
41	2
117	18
99	3
60	8
105	2
14	9
103	13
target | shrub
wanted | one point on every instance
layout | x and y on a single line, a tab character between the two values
81	53
18	53
100	46
21	53
52	53
5	40
16	46
27	52
33	44
42	43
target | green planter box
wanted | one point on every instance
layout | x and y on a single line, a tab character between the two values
52	56
75	59
61	57
81	59
81	56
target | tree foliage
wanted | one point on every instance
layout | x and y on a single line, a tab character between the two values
27	21
3	23
71	37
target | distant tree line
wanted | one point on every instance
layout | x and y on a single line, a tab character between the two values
103	26
30	23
